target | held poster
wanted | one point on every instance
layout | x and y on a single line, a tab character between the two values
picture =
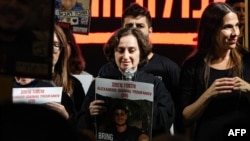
26	35
39	95
73	14
128	103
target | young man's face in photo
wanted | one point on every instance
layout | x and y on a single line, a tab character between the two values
120	117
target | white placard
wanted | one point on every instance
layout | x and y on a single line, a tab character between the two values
38	95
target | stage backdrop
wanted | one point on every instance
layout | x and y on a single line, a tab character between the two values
175	23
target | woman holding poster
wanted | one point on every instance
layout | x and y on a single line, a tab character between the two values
127	49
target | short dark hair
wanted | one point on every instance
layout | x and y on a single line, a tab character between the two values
120	107
231	2
144	45
135	10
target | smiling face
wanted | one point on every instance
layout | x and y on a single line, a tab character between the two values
228	34
127	54
120	117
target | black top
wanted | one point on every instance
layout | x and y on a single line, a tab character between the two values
223	111
73	104
163	106
169	72
166	70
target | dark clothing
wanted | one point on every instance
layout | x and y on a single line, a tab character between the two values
130	134
14	50
73	104
165	69
169	72
223	111
163	106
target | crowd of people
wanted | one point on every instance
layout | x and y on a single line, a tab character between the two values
199	100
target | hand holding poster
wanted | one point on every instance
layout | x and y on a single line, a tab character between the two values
37	95
73	14
129	107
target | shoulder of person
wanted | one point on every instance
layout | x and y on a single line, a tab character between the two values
194	61
75	80
165	60
108	70
246	57
143	76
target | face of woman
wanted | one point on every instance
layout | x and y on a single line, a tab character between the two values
228	34
56	49
127	54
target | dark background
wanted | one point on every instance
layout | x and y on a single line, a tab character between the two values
93	53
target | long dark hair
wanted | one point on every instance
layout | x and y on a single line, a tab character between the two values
210	23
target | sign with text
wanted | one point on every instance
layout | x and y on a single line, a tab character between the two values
133	101
39	95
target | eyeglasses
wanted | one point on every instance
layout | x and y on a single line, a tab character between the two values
57	46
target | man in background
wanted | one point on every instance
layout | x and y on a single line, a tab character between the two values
239	6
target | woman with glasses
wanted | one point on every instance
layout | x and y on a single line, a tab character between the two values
73	93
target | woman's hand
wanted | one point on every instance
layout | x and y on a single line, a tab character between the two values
96	107
241	85
221	86
59	108
195	110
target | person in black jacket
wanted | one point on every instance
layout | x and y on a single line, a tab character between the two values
128	49
160	66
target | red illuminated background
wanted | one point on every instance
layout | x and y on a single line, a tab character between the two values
175	24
